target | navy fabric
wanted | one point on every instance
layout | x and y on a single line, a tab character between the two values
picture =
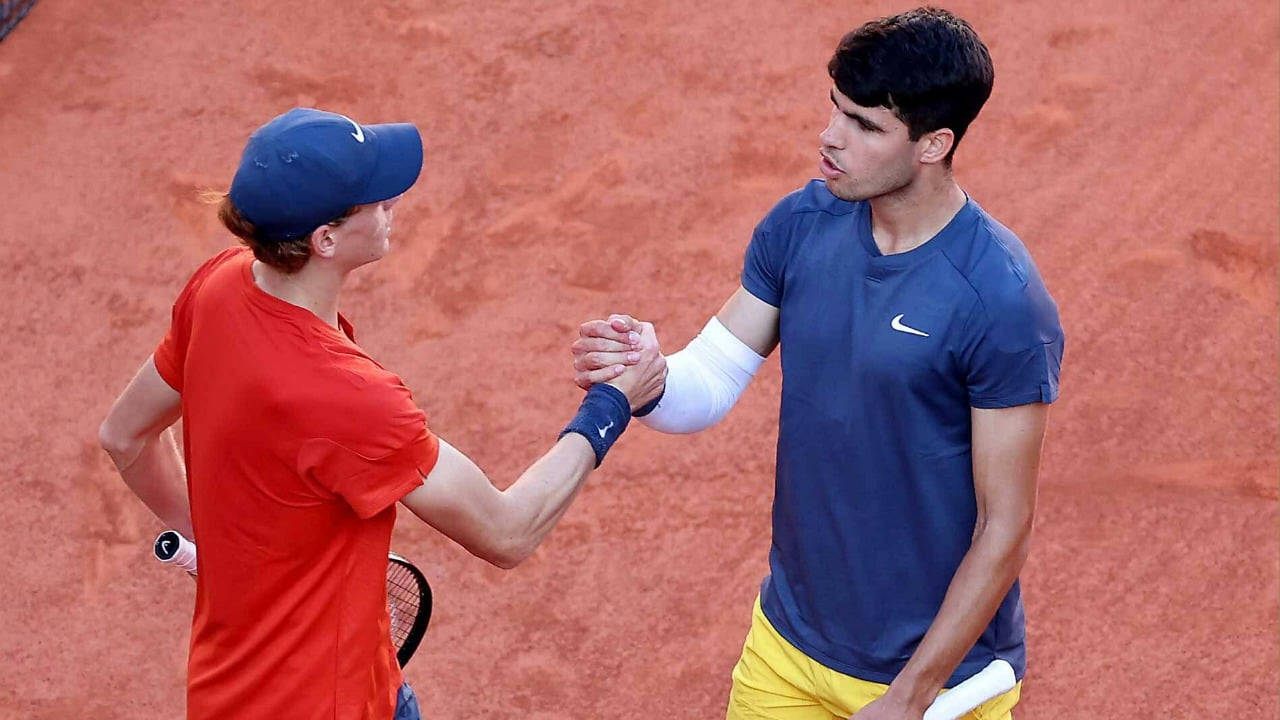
601	418
407	704
308	167
882	359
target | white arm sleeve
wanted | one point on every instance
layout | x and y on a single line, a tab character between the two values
704	380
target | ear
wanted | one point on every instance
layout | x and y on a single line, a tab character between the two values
935	145
323	243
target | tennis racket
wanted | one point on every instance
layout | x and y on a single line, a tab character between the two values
995	679
408	592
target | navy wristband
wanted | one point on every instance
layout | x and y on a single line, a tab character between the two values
602	416
650	406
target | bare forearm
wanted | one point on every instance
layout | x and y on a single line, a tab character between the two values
981	582
153	470
540	496
502	527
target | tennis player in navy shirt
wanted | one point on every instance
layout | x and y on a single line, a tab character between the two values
920	353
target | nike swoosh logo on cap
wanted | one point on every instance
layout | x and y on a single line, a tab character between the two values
359	133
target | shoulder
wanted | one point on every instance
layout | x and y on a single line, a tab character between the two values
1014	307
221	265
807	218
226	258
812	199
231	257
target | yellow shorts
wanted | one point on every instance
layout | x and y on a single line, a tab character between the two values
775	681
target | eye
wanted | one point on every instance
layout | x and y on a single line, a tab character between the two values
866	126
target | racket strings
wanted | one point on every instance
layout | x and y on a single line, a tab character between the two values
409	605
403	600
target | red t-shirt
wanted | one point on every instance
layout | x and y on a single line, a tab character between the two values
298	445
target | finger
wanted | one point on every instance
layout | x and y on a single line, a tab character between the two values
598	344
595	377
605	329
648	338
601	360
623	323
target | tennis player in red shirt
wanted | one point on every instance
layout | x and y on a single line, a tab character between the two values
298	445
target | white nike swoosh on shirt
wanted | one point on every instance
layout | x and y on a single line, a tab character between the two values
896	324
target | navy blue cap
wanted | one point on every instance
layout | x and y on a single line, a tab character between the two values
307	167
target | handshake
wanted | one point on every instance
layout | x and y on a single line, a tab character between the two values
618	362
623	352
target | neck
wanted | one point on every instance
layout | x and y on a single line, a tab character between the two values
908	218
314	287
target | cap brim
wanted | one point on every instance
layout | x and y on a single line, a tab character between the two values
399	161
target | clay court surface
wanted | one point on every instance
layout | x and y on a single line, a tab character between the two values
586	157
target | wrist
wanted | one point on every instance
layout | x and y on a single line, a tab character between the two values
912	691
650	406
601	418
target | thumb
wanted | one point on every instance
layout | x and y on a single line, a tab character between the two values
623	323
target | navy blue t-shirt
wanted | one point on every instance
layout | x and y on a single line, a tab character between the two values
882	358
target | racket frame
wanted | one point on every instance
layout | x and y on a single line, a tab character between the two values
420	621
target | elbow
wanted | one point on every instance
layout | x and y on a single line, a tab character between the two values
118	445
105	437
1011	537
1022	534
504	561
507	553
1020	548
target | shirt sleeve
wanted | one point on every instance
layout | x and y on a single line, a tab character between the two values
762	269
171	354
378	450
1015	351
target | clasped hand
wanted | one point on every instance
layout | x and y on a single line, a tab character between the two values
622	352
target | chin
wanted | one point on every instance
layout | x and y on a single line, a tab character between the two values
843	191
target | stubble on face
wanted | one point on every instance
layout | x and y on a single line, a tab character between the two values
886	182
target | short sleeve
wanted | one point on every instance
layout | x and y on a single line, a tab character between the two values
759	274
762	269
376	452
171	354
1015	351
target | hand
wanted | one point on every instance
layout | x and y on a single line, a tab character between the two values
605	348
645	380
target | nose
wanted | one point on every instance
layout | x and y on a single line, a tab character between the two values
828	135
388	203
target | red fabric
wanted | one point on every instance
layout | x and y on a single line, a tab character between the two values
298	445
